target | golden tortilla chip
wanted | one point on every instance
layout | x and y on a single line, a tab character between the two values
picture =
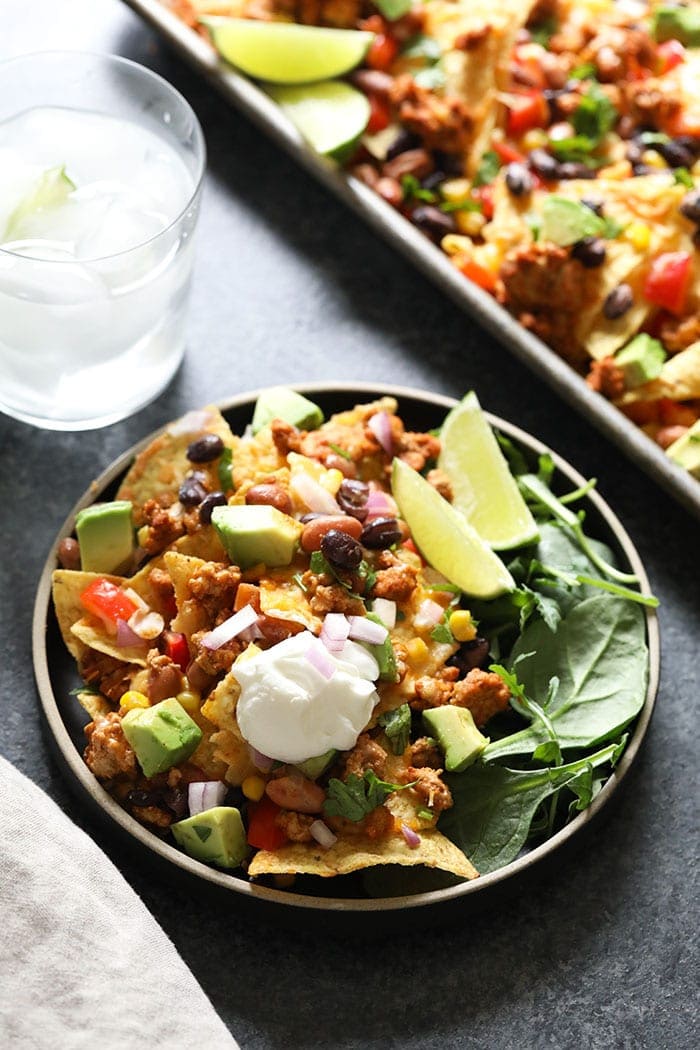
67	586
160	468
229	747
679	379
96	705
191	616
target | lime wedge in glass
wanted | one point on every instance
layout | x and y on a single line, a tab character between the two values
446	539
51	189
484	489
331	115
286	53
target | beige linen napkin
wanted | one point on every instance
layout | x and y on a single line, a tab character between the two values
82	962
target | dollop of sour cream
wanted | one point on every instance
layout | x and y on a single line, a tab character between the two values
289	710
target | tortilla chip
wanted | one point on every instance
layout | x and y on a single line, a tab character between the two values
96	705
679	379
205	756
67	586
229	747
282	599
160	468
191	616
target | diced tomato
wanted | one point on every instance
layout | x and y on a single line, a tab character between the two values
263	833
508	154
373	24
684	123
642	413
671	413
668	279
379	114
478	274
107	602
409	545
382	52
669	55
176	647
484	195
526	112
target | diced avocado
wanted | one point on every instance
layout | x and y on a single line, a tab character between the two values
641	360
217	836
457	736
686	450
313	767
281	403
256	533
161	736
383	653
106	536
566	221
677	23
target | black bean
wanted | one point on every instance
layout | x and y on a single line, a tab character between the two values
352	498
341	549
689	142
544	164
470	655
211	500
634	152
205	448
618	302
518	179
590	252
192	491
381	533
572	169
690	206
595	205
676	155
434	223
176	801
143	798
433	180
404	141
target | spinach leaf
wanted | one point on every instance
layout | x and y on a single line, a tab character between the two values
599	655
494	806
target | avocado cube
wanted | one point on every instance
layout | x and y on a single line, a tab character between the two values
216	836
671	22
106	536
685	451
256	533
161	736
281	403
457	736
313	767
641	360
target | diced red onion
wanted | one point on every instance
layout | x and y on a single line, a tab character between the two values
386	611
147	624
412	837
310	492
192	423
323	834
364	630
429	613
251	634
380	505
260	761
230	628
335	631
380	425
126	637
318	657
205	794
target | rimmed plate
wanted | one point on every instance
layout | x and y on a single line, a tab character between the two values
56	675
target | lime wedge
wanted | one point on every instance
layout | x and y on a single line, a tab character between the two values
331	115
484	489
286	53
51	189
445	537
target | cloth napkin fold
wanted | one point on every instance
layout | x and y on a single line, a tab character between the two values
83	964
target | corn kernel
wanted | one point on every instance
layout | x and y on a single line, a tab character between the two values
332	480
133	699
190	700
639	235
469	222
462	625
653	159
535	138
489	256
253	787
417	651
455	190
454	244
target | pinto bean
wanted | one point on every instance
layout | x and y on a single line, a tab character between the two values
164	682
296	792
315	530
270	493
68	553
336	462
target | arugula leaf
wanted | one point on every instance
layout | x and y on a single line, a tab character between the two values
598	653
489	167
397	726
494	806
357	796
550	750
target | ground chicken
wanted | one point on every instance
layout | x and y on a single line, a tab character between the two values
366	754
334	598
377	824
418	449
285	437
442	122
213	587
431	692
111	676
163	527
395	579
215	662
108	753
295	825
429	787
679	333
483	692
607	378
160	581
153	816
423	752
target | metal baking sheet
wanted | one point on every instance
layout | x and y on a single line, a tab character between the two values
244	94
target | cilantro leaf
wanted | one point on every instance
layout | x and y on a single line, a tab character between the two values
357	796
442	633
412	190
397	726
489	167
595	114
